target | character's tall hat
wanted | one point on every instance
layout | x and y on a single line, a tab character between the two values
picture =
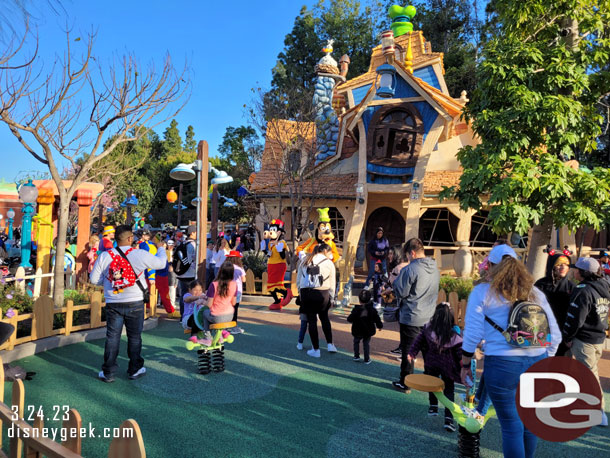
323	215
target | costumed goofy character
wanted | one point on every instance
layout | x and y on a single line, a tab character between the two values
324	234
276	266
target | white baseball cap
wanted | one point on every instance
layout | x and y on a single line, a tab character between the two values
498	252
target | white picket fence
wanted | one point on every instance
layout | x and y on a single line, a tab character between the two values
21	279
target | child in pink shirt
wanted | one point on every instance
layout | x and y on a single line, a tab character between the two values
221	295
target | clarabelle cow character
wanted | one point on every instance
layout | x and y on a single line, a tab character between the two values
276	266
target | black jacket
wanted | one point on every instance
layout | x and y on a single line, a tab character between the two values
364	318
587	318
557	292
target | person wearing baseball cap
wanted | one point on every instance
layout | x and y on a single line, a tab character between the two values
557	288
507	282
584	331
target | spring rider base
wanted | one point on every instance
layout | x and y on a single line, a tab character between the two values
211	358
469	426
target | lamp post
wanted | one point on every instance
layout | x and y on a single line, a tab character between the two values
28	193
186	172
221	177
360	193
130	202
137	219
11	217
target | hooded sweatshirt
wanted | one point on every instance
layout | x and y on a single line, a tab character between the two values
445	358
364	319
587	318
416	290
556	290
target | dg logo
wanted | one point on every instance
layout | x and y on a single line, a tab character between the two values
559	399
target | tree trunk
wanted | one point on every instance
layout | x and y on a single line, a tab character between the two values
536	257
60	250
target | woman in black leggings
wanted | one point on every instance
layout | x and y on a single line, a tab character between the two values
316	284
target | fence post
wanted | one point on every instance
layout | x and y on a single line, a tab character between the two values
442	296
250	284
18	399
264	289
128	447
44	311
153	300
13	338
74	421
96	309
29	452
20	279
69	317
37	283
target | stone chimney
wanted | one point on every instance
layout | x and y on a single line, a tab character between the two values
344	65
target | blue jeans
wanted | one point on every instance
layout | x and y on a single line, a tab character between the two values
372	262
481	398
303	329
132	315
501	380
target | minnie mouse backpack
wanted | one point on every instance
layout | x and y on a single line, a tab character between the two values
120	273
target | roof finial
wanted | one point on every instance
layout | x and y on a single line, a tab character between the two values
409	57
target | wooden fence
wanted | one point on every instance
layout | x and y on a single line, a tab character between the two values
127	444
44	311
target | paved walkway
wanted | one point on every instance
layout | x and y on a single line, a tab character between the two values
272	400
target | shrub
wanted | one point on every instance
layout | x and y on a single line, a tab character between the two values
462	286
256	262
11	297
77	297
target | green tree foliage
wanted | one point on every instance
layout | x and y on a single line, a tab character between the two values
354	29
536	106
190	144
172	142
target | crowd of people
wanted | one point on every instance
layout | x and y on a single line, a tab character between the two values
575	310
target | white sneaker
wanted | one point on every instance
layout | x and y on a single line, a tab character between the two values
332	348
604	419
299	346
314	353
141	372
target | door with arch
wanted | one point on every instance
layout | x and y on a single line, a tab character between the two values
392	222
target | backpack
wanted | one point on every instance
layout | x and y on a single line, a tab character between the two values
528	326
120	272
181	263
311	276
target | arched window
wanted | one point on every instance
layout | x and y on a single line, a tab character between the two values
481	234
438	226
338	224
395	136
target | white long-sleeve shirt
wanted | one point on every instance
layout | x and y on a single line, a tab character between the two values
140	261
482	302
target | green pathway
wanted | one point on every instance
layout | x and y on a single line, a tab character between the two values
272	401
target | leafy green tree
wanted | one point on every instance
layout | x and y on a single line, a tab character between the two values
535	107
172	141
354	30
190	144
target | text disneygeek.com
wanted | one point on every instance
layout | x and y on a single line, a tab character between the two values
63	433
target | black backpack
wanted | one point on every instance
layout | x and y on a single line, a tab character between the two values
528	326
181	262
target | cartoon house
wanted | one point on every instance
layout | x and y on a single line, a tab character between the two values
386	145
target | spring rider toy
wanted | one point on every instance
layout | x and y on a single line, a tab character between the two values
464	415
211	355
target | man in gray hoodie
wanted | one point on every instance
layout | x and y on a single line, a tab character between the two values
416	290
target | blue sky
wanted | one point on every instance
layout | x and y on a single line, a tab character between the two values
229	49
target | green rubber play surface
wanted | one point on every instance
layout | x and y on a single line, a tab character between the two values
272	401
